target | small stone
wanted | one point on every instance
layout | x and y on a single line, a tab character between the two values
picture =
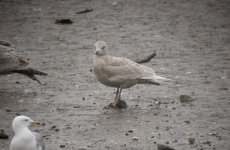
76	106
191	140
3	135
167	142
187	122
135	138
130	131
186	99
62	146
163	147
63	21
207	142
122	104
82	148
174	141
223	89
157	102
53	127
57	130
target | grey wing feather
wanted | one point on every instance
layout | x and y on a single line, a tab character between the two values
39	140
9	61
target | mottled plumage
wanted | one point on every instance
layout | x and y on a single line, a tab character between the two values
121	72
12	63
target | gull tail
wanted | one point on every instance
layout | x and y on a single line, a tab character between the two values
160	78
156	80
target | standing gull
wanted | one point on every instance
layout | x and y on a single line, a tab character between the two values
121	72
24	139
11	63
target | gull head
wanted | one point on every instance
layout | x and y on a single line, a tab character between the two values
101	48
20	122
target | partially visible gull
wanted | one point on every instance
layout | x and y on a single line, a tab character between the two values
25	139
12	63
121	72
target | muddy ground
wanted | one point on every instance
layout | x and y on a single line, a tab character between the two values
192	42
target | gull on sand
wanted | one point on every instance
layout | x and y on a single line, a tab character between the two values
11	63
121	72
24	138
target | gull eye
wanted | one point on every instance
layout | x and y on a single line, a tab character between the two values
26	120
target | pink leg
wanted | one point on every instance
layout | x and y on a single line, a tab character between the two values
116	94
118	97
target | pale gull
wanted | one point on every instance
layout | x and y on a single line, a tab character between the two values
24	138
11	63
121	72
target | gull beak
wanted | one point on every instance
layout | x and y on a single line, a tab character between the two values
36	123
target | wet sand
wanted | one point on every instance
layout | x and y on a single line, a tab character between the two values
192	42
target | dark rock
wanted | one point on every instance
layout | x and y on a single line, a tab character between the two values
174	141
187	122
207	142
186	99
130	131
3	135
57	130
122	104
63	21
223	89
62	146
135	138
163	147
53	127
8	110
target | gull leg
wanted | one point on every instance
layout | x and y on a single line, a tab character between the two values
111	105
118	97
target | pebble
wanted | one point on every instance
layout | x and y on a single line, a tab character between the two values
57	130
223	88
187	122
186	99
82	148
135	138
130	131
3	135
174	141
163	147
